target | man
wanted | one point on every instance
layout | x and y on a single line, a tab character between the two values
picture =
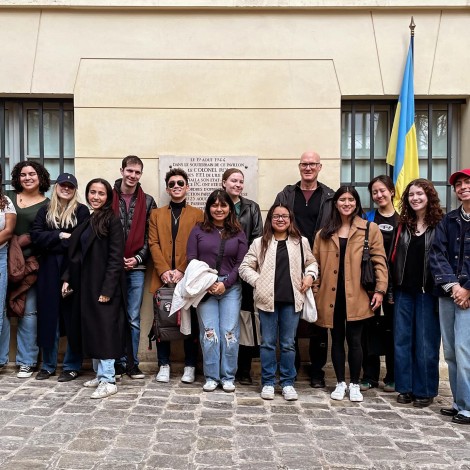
133	207
311	203
169	231
450	266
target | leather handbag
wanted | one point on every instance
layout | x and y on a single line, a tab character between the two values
368	279
167	328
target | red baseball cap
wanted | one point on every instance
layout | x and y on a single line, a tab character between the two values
455	175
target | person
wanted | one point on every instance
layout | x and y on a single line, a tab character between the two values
133	207
50	234
249	216
451	272
169	231
311	202
342	302
96	283
416	322
382	190
30	181
7	226
220	242
281	267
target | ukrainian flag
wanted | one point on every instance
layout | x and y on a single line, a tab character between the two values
403	148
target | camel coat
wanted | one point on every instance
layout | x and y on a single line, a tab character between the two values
326	252
161	240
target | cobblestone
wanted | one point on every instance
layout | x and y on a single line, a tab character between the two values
146	425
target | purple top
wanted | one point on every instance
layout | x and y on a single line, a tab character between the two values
204	246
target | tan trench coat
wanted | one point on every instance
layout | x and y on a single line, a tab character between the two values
326	252
161	240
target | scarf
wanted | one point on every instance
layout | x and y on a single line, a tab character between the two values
136	237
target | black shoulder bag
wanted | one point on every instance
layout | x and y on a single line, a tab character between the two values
368	279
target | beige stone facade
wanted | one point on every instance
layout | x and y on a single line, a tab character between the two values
263	78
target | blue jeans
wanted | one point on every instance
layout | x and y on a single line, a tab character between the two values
4	321
104	369
219	326
281	323
135	294
27	348
455	328
417	341
72	360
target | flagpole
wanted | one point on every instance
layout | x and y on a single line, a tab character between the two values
412	29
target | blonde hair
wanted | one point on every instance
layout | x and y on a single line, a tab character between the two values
59	216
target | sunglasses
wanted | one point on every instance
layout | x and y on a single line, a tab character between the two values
180	183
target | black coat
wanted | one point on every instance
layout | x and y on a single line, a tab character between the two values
52	264
98	329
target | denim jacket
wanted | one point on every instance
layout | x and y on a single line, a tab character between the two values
448	264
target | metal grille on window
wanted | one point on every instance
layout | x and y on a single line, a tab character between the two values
37	130
365	132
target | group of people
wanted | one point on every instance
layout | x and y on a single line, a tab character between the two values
82	275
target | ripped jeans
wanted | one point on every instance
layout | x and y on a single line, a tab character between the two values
219	327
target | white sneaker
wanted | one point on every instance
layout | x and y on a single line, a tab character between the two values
189	375
267	393
228	386
25	372
355	392
339	391
289	393
210	385
105	389
93	383
163	374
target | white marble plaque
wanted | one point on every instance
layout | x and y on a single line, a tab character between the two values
205	175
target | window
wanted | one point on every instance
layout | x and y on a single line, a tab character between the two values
41	131
364	143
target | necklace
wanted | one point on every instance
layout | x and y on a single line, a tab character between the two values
30	202
387	215
422	229
220	230
175	218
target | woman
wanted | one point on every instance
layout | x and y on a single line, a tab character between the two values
30	181
50	233
382	190
95	279
275	265
220	242
417	331
7	226
249	216
342	302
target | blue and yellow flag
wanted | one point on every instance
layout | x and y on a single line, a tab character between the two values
403	148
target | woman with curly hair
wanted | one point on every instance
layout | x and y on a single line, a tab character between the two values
220	242
30	181
416	323
97	284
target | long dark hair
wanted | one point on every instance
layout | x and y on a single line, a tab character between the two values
268	233
334	221
101	218
434	211
231	224
43	176
3	201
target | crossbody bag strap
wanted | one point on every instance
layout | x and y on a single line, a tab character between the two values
302	258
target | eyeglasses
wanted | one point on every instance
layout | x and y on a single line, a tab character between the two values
68	186
180	183
281	216
306	165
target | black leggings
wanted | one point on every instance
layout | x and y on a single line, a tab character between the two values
352	332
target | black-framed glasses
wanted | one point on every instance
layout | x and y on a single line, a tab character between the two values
281	216
180	183
306	165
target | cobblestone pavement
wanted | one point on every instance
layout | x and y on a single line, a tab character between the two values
46	424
